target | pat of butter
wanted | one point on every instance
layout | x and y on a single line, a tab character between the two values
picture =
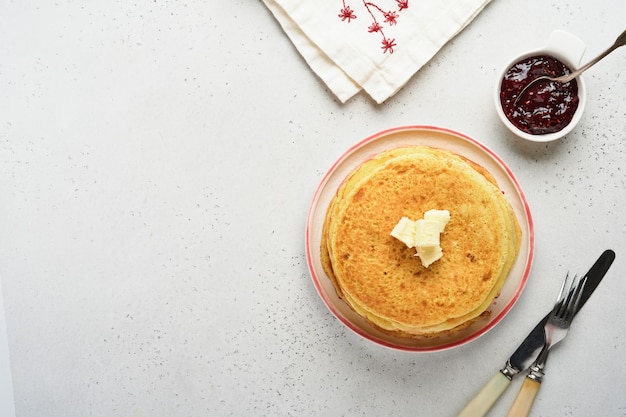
428	255
442	217
404	231
430	228
427	233
423	234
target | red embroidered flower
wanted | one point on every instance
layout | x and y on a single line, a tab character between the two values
375	27
388	45
390	17
403	4
347	13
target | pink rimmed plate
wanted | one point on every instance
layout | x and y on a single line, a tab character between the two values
439	138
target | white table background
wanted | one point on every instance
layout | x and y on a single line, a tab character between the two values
157	160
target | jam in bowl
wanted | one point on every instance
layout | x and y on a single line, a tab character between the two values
547	106
547	110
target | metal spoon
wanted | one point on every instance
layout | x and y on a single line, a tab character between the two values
620	41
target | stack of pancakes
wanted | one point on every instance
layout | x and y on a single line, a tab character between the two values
381	279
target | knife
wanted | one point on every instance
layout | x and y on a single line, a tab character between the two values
526	353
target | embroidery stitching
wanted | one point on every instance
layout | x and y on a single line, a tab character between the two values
346	13
390	18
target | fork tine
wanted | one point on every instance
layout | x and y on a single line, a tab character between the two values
561	299
567	302
575	299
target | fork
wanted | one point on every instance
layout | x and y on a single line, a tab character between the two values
555	329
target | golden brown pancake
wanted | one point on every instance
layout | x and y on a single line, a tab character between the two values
381	278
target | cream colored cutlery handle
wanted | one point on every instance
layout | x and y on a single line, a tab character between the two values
525	398
487	396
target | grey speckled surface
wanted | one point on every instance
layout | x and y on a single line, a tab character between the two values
157	160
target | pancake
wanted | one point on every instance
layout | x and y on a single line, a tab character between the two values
381	279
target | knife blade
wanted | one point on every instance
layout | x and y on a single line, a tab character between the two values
525	354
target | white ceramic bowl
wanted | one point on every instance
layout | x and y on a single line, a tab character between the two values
566	48
427	136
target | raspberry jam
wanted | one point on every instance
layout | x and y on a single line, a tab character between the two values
547	106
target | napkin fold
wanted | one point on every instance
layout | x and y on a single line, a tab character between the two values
373	46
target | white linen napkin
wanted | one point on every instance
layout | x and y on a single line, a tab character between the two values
375	46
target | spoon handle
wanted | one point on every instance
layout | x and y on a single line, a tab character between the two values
620	41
